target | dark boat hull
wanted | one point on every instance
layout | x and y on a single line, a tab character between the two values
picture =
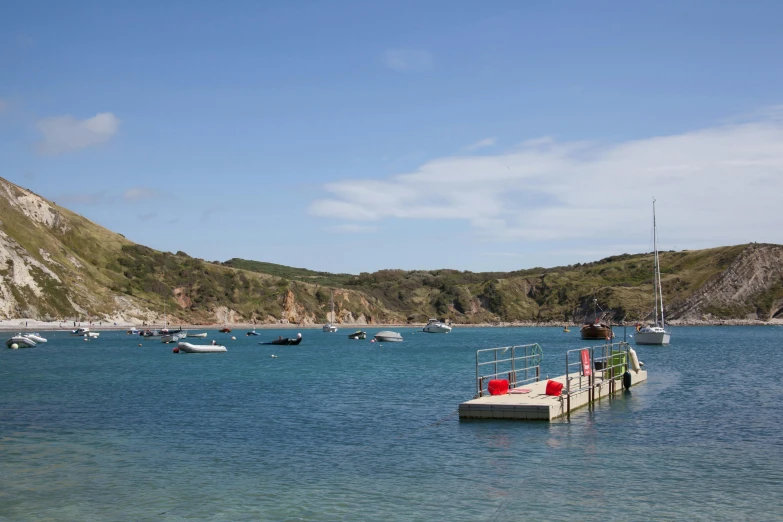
596	331
285	341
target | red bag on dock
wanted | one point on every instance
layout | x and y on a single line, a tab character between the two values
554	388
498	387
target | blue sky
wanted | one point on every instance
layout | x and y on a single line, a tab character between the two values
355	136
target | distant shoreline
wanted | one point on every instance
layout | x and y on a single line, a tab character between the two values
29	325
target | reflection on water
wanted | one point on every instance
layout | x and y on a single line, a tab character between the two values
339	429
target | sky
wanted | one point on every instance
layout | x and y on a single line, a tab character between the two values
357	136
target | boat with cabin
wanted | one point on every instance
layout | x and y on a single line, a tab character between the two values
436	326
330	327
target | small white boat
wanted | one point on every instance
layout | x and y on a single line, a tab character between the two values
133	331
80	331
36	337
388	337
329	327
653	335
198	335
200	348
171	338
435	326
92	335
252	332
20	341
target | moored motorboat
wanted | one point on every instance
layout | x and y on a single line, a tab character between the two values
80	331
225	329
388	337
200	348
198	335
171	338
133	331
436	326
20	341
285	341
36	337
92	335
252	332
358	334
149	333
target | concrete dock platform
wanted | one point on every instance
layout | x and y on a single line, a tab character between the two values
536	405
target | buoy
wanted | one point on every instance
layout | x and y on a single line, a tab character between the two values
139	344
274	356
175	350
14	346
634	360
86	340
233	338
627	380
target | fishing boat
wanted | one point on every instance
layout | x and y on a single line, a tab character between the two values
358	334
20	341
200	348
596	329
329	327
36	337
388	337
655	333
436	326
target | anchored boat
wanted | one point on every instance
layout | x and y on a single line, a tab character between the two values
436	326
655	333
388	337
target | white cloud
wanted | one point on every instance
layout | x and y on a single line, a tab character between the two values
65	133
714	186
354	228
408	60
480	144
139	194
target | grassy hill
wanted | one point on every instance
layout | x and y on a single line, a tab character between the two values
58	265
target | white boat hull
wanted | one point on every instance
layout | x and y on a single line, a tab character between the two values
330	328
198	335
20	341
653	338
36	338
200	348
388	337
436	328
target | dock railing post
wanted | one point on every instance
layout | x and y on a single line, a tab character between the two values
568	388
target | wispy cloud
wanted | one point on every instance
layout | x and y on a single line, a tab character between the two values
148	216
62	134
720	185
83	198
501	254
408	60
480	144
354	228
136	194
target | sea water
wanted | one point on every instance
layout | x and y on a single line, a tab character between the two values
337	429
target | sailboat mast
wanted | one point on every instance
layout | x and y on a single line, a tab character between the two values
658	287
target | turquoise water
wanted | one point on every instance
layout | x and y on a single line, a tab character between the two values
335	429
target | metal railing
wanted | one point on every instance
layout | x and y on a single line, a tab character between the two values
593	367
519	364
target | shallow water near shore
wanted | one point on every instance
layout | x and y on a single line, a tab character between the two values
335	429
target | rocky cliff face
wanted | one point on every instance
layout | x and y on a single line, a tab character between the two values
750	288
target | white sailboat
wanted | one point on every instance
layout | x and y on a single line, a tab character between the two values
329	327
655	333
